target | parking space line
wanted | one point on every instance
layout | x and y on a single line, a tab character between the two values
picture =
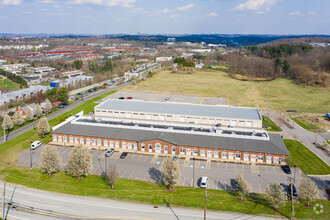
132	157
129	176
259	188
197	164
145	159
266	169
243	167
186	162
274	170
218	166
153	161
235	167
208	164
139	156
226	167
145	176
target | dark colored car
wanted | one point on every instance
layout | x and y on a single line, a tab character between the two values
79	93
123	155
109	152
129	97
121	98
94	89
294	190
285	189
65	103
90	90
286	169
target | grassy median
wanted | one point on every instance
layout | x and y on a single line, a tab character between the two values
305	159
151	193
271	125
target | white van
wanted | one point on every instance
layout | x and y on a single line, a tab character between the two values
35	145
204	181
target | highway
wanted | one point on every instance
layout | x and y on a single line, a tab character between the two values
26	204
63	110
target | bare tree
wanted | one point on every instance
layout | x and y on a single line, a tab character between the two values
29	114
50	160
171	172
43	127
18	118
112	175
38	111
308	189
48	106
243	186
275	195
80	162
8	122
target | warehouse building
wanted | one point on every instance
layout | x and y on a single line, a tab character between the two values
207	142
220	115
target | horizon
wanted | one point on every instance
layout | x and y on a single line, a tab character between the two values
181	17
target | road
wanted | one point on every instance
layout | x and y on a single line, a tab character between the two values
300	134
26	203
28	127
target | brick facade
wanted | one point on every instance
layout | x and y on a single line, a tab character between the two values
166	148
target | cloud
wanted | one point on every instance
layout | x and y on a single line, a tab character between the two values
185	8
256	5
174	15
47	2
109	3
138	11
11	2
311	13
212	14
295	13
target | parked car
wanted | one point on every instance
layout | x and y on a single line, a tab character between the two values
95	89
123	155
35	145
109	152
90	90
79	93
121	98
285	189
204	181
65	103
129	97
294	190
60	106
167	98
286	169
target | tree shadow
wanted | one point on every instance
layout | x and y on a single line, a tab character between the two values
321	184
156	175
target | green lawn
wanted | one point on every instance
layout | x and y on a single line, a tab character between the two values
280	94
271	125
151	193
10	85
44	84
305	159
307	125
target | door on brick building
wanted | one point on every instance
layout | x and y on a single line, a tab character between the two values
165	149
253	158
150	147
203	153
209	153
276	160
188	151
157	148
173	150
231	156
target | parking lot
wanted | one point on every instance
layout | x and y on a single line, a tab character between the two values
172	98
148	168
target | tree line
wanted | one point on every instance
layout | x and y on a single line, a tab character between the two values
15	78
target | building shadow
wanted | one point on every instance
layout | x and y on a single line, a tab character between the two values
323	185
168	205
156	175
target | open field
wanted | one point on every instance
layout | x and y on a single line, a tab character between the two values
151	193
307	125
305	159
279	94
7	83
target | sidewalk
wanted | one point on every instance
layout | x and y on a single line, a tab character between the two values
300	134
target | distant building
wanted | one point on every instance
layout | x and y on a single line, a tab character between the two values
163	59
171	39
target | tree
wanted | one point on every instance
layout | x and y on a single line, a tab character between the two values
112	175
308	189
18	118
63	94
170	171
48	106
80	162
43	127
50	160
243	186
38	111
29	114
275	195
78	64
8	122
107	65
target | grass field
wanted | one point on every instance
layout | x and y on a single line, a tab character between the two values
267	121
279	94
305	159
151	193
10	85
307	125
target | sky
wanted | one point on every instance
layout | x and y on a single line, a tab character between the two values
298	17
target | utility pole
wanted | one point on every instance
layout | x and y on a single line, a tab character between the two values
205	197
292	207
4	198
105	166
193	172
4	130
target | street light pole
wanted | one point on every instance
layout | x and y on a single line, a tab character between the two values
4	197
205	197
193	172
294	173
106	166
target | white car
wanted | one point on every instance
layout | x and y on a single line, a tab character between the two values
204	181
35	145
167	98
